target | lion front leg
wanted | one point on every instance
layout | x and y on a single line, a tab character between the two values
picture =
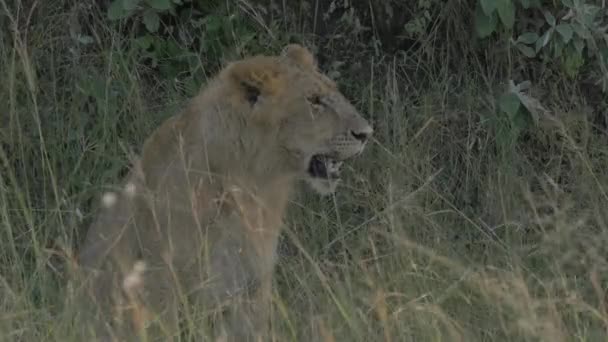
252	321
248	313
260	310
249	316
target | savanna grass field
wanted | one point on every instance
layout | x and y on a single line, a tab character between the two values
478	212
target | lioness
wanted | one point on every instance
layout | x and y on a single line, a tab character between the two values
202	208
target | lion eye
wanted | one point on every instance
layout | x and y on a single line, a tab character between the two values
315	100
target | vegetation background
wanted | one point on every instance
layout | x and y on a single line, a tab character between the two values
478	213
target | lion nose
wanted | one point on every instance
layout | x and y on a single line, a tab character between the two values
362	134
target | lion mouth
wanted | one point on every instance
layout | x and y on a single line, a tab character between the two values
324	166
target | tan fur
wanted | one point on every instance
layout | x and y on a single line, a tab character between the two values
203	205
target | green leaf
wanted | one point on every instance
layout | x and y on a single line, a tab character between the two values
161	5
520	121
130	5
604	53
568	3
509	103
488	6
117	11
572	63
144	42
549	18
530	3
581	31
484	25
91	85
558	49
589	13
579	44
84	39
506	12
565	30
526	50
531	104
525	3
528	38
544	39
213	24
151	20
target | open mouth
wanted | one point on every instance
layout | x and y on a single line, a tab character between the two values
323	166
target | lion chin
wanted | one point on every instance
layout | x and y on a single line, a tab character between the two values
323	174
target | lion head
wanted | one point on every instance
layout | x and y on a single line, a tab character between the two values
315	128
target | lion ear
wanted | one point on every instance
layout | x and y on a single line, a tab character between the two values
256	77
299	55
